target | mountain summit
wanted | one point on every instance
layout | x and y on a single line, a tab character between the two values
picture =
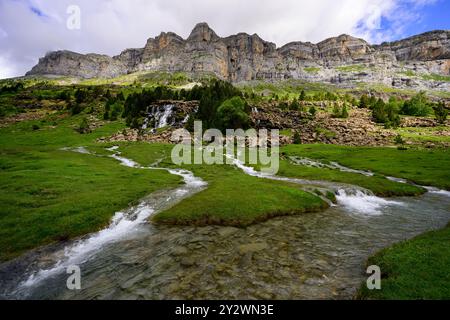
245	57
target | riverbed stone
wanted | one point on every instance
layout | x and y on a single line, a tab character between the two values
227	231
252	247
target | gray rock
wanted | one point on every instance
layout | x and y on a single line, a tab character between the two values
243	57
252	247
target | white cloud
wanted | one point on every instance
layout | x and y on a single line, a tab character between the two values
109	26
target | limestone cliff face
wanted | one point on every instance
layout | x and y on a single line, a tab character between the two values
245	57
79	65
434	45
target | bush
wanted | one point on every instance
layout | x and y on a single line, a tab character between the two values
340	112
386	113
399	140
116	110
297	138
75	108
312	111
232	114
364	101
302	96
336	111
64	95
417	106
294	105
344	113
84	126
440	112
80	96
13	88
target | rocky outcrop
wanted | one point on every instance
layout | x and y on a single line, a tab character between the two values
69	63
245	57
434	45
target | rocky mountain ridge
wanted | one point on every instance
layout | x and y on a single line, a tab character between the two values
243	57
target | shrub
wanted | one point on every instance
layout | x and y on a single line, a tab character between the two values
116	110
232	114
364	101
302	96
336	111
80	96
297	138
399	140
417	106
440	112
344	113
75	108
340	112
294	105
312	111
386	113
84	126
64	95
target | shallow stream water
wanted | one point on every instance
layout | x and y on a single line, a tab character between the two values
310	256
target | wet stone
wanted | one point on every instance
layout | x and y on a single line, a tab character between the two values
252	247
227	231
187	262
178	251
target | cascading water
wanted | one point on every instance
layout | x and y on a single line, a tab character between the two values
161	115
123	224
332	165
355	199
336	166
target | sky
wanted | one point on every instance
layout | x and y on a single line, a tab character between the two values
31	28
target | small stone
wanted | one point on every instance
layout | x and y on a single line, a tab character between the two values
252	247
187	262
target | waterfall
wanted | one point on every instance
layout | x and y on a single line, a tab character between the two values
363	202
162	116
